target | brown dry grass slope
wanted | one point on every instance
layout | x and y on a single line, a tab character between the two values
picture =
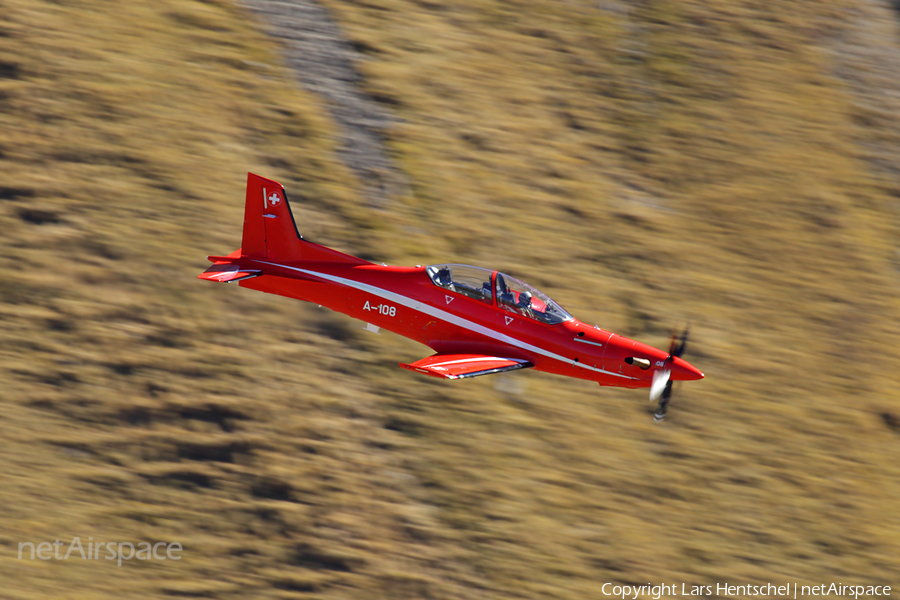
647	164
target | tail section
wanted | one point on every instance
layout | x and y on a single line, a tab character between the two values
270	232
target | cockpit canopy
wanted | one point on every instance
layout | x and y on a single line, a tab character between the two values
519	297
512	294
473	282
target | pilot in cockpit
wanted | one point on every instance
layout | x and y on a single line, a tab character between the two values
444	278
524	304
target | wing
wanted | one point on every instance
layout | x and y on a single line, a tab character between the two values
460	366
227	273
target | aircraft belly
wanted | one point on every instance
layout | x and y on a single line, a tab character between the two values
280	286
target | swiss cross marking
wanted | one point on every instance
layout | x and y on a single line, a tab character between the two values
272	200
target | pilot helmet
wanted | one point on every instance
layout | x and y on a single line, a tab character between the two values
443	276
525	299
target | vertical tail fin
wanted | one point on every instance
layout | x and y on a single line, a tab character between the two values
270	232
269	229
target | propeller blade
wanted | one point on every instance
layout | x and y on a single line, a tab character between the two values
660	381
676	348
660	413
661	388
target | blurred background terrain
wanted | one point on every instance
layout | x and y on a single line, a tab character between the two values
734	164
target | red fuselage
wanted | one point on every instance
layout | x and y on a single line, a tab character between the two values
406	301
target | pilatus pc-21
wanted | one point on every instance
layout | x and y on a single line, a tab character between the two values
477	321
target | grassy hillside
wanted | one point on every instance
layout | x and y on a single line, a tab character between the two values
647	164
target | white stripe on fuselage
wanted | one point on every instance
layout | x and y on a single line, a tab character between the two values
444	315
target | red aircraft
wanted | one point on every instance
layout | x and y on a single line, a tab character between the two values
478	321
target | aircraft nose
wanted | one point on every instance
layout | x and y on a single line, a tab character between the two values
682	370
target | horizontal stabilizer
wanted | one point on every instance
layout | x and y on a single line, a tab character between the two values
228	273
460	366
